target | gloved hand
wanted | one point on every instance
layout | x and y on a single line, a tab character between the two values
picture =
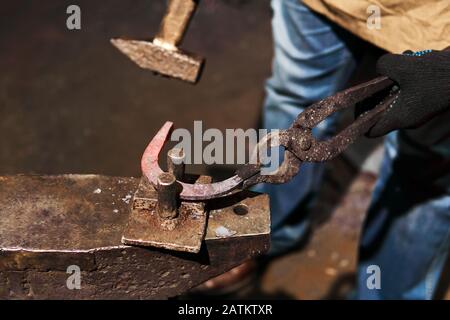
424	81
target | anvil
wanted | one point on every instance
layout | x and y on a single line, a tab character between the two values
49	224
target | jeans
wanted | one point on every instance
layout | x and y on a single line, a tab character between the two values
311	62
407	229
314	59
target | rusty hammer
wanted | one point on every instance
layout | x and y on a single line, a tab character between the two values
163	54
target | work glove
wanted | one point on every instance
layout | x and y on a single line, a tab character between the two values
424	81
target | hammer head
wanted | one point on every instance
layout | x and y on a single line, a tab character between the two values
165	61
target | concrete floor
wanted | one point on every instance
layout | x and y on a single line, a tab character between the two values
71	103
325	267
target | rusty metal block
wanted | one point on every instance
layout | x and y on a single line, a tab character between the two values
173	63
146	228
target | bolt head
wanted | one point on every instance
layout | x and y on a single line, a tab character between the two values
305	143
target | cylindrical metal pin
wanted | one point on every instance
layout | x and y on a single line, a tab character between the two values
167	196
176	162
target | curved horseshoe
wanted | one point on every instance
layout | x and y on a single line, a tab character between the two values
151	170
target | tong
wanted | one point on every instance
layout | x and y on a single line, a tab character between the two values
298	142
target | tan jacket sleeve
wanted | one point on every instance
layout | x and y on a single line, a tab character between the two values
402	24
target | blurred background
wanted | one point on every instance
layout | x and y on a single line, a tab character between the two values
71	103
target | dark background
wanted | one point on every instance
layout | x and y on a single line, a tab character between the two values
71	103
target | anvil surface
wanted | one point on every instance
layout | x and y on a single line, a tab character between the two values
49	223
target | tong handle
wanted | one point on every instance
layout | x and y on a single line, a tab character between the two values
317	112
299	139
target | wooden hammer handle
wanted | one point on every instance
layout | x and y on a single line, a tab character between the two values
176	21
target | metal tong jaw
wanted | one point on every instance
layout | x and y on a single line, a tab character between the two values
299	139
298	142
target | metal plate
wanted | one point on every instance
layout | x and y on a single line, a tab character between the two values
146	228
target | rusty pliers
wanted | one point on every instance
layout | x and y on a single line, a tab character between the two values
298	142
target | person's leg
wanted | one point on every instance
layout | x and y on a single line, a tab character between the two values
407	230
312	61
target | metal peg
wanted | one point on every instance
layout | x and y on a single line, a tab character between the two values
167	196
175	162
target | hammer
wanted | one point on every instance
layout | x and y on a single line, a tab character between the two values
163	54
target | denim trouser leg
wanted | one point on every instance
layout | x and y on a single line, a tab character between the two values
407	230
311	62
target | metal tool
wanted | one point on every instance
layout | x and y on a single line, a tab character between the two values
163	55
54	226
298	141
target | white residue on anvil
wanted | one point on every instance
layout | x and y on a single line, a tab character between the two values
222	232
127	199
